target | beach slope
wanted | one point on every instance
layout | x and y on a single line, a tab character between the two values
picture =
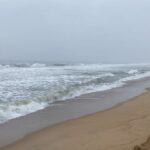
120	128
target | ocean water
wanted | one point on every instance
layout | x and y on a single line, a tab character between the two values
26	88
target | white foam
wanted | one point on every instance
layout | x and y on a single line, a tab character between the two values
133	71
38	65
136	77
104	67
14	111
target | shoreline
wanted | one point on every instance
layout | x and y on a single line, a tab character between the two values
121	127
89	104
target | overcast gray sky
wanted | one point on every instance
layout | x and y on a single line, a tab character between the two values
107	31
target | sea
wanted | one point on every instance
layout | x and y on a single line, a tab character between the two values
29	87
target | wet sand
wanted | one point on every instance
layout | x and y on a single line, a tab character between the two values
118	128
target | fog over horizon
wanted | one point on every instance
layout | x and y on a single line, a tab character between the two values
104	31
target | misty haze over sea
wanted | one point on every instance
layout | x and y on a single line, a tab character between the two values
97	31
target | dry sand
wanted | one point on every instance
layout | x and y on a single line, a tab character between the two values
119	128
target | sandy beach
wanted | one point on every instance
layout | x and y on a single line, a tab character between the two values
74	75
119	128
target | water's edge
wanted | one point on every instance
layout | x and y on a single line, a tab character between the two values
16	129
